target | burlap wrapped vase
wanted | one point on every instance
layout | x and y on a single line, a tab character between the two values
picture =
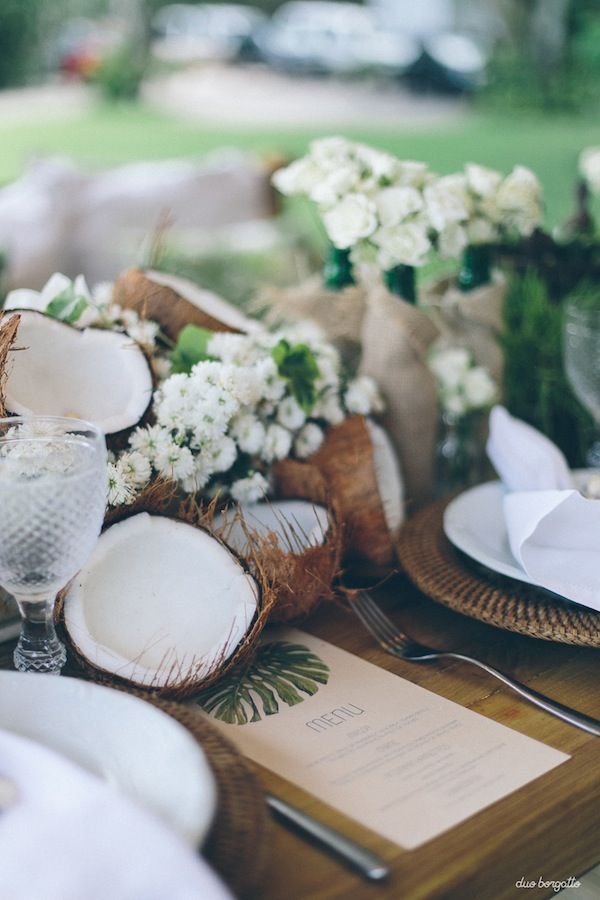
338	313
471	319
396	337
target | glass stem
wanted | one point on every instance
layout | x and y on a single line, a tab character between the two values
38	648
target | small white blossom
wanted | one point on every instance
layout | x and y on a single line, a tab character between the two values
174	462
249	432
405	244
482	181
362	396
395	204
149	441
308	440
135	467
290	414
452	241
278	443
144	332
519	200
250	489
447	201
120	491
479	387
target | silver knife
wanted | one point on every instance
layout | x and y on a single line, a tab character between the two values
354	855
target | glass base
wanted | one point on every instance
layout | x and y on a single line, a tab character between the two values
49	660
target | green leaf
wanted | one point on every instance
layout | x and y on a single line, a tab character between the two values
191	348
280	672
297	364
67	306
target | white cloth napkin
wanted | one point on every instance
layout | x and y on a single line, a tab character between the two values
67	835
553	531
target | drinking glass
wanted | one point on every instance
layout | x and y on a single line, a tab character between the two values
582	363
52	502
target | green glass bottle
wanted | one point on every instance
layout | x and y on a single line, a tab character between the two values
337	271
401	280
476	267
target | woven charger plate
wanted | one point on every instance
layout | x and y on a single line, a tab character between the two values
432	564
238	842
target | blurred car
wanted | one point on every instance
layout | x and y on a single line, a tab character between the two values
320	37
449	62
206	31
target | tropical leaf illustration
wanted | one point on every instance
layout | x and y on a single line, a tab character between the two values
281	672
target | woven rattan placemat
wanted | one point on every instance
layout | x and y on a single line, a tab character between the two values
435	567
238	842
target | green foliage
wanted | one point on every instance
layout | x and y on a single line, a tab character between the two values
119	76
190	348
535	385
297	364
280	672
18	40
67	306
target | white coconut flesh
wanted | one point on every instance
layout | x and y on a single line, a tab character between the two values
96	375
209	303
297	525
387	476
159	602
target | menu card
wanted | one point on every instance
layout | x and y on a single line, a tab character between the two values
399	759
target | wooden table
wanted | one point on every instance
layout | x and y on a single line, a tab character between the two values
549	828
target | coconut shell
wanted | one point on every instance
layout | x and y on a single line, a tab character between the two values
143	292
8	332
159	499
342	474
301	580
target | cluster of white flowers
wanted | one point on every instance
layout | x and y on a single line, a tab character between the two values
127	475
220	428
589	168
463	386
392	211
84	308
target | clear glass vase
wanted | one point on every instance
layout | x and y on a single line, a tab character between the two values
459	452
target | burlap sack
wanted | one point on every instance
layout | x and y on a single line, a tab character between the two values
471	319
395	340
338	313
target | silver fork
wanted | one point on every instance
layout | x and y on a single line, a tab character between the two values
399	644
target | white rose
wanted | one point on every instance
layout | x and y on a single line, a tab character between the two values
447	201
589	168
452	241
299	177
454	402
519	200
481	231
342	180
353	218
479	388
412	173
394	204
405	244
328	152
449	365
381	165
482	181
308	441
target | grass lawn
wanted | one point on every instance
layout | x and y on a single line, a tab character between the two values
110	135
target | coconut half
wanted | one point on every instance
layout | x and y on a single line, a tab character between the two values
176	302
8	333
356	470
96	375
298	545
160	603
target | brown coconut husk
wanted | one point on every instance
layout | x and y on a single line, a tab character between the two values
342	474
338	313
301	576
471	319
160	499
8	331
161	297
396	337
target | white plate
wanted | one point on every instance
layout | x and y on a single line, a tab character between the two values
474	523
130	743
